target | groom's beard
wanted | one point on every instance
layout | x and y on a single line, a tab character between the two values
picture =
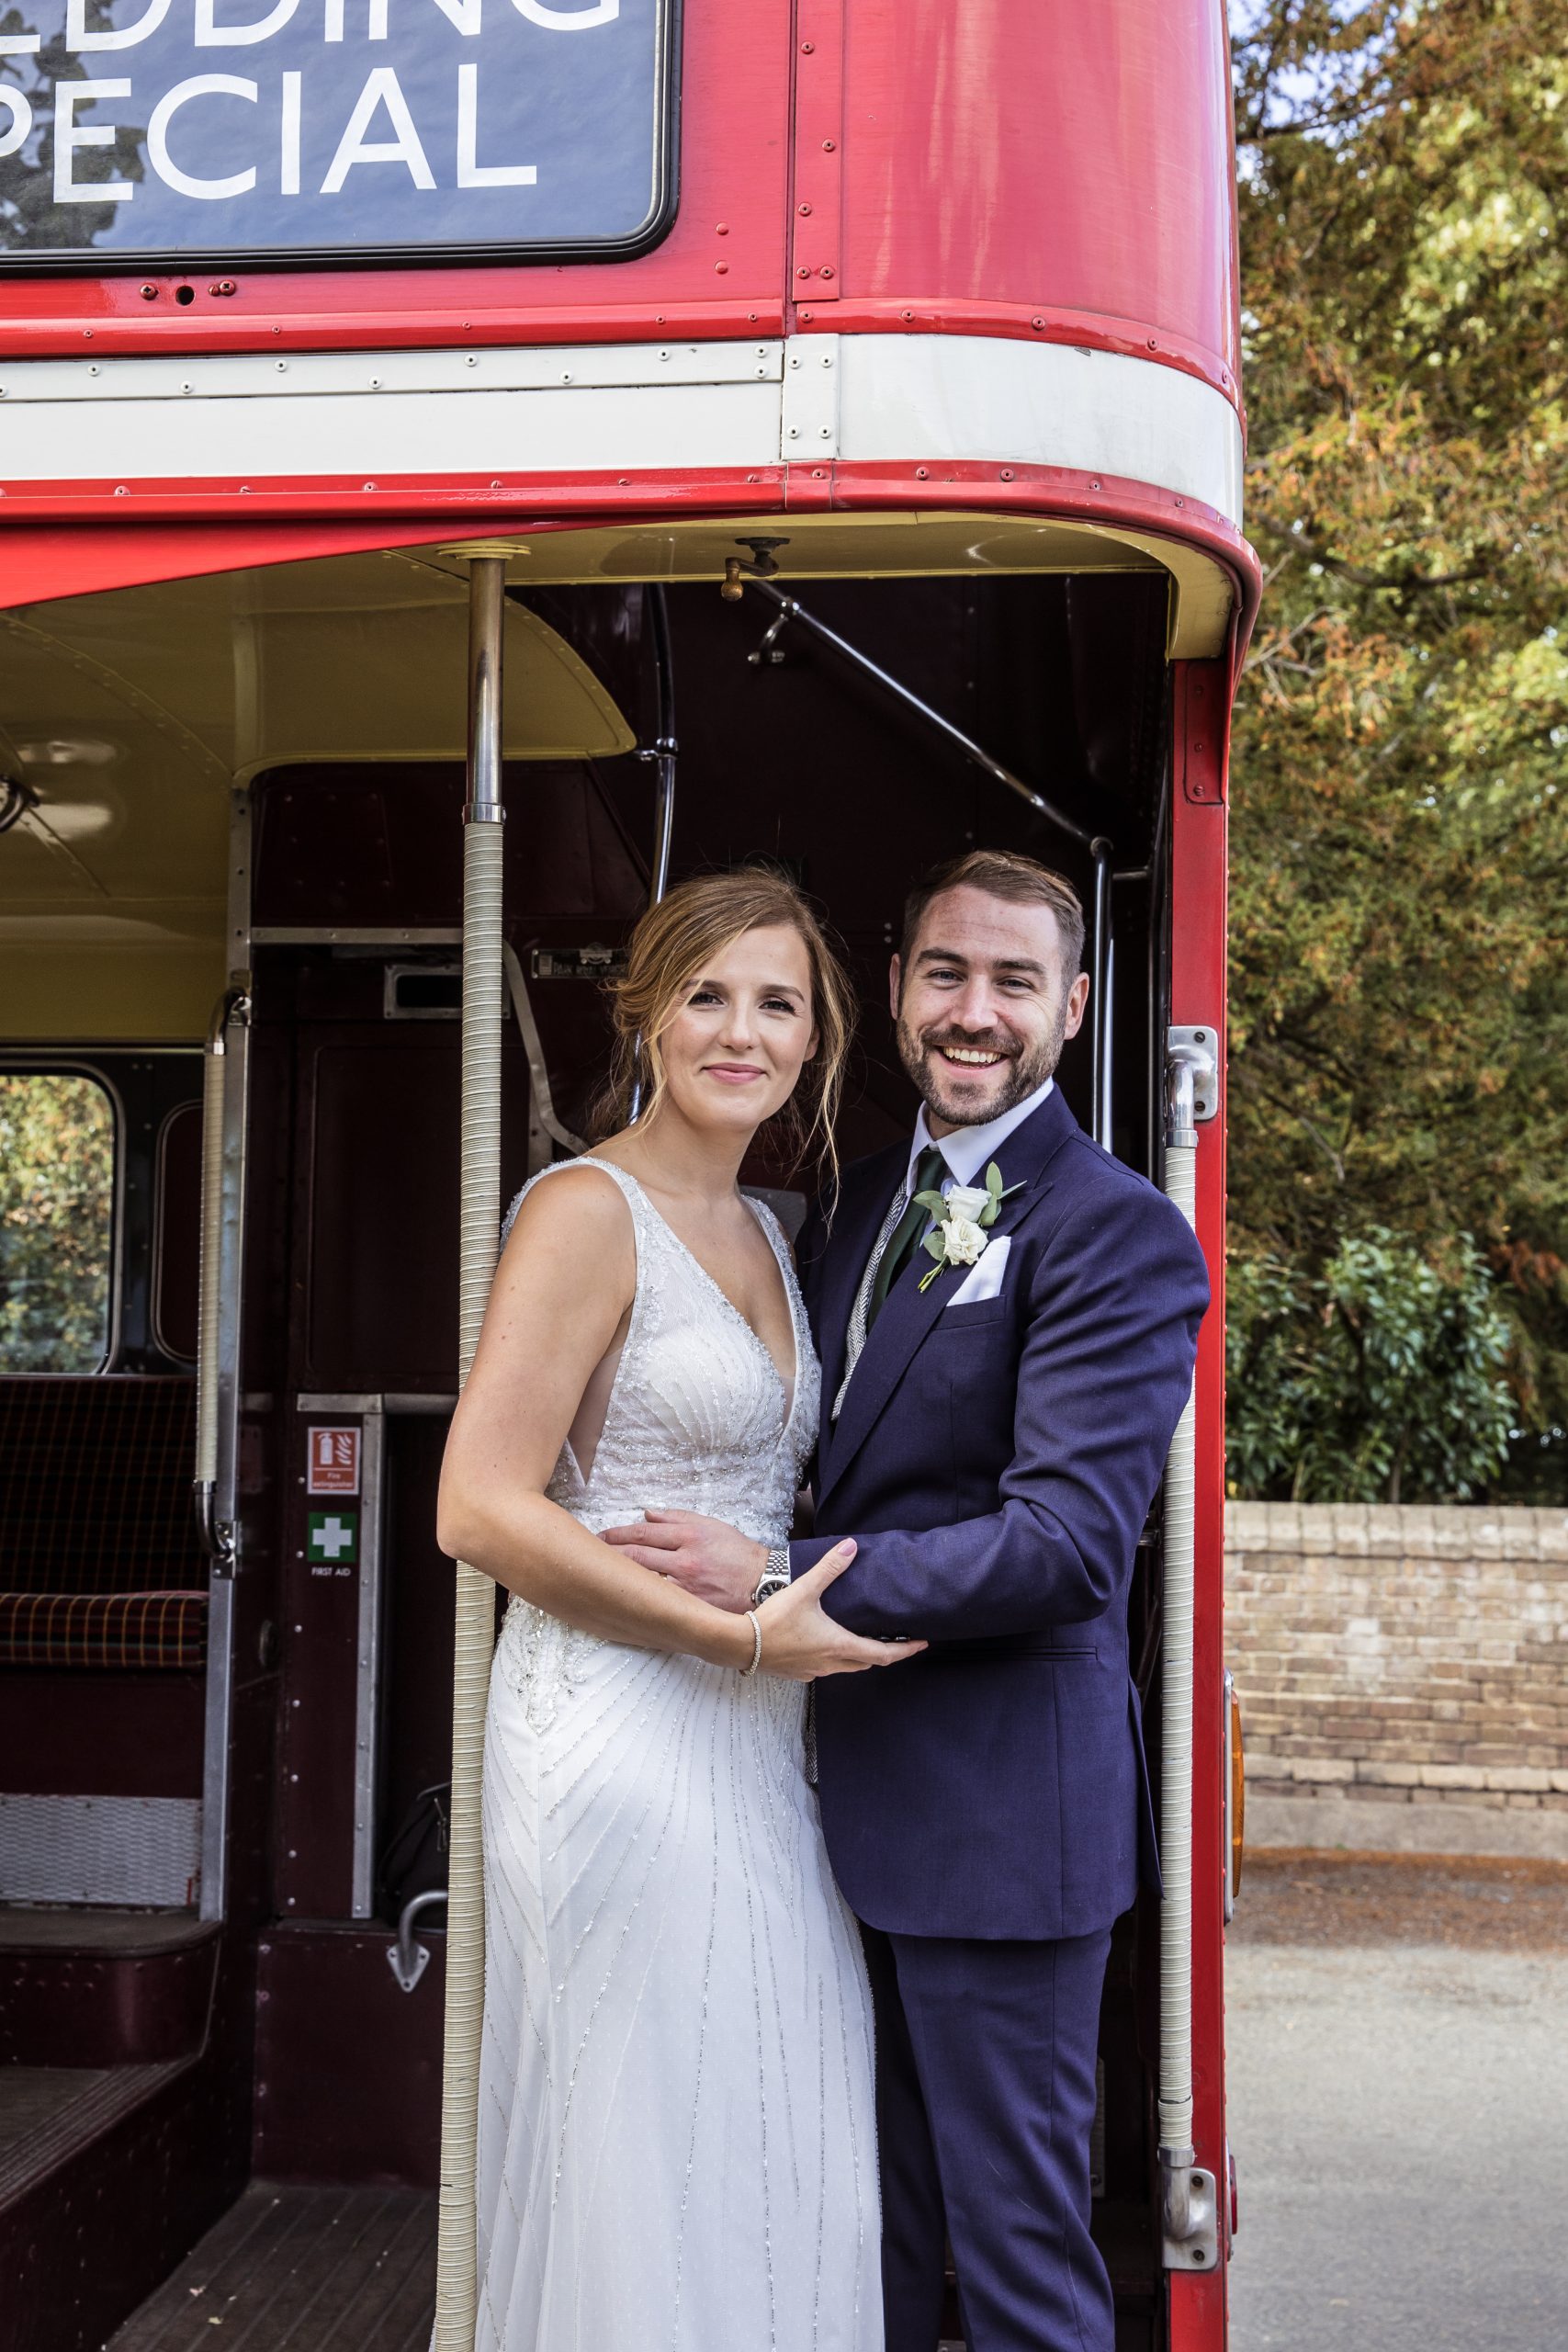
1025	1069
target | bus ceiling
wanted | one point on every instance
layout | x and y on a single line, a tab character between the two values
127	718
127	715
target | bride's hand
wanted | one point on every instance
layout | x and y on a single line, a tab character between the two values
801	1642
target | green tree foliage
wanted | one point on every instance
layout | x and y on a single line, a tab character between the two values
1400	992
1378	1381
56	1222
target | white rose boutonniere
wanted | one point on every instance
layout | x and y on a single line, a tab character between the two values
963	1220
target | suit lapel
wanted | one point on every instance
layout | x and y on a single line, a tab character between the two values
909	1314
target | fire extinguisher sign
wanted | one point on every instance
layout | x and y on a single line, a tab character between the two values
333	1468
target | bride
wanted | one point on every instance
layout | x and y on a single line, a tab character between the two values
677	2148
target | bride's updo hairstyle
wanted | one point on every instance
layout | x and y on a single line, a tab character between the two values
665	956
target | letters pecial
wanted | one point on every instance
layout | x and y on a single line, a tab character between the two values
378	128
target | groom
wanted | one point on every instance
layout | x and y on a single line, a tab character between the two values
996	1413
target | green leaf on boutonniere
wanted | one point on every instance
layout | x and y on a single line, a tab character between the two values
994	1182
936	1246
932	1202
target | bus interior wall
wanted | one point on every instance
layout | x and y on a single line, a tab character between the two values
328	2071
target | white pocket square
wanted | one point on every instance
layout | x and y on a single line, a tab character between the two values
984	1279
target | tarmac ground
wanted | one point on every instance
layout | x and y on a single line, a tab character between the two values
1397	2040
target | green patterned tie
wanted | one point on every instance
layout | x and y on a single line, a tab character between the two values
930	1170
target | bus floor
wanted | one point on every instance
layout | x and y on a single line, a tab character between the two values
291	2269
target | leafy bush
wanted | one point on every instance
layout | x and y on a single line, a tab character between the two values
56	1222
1380	1381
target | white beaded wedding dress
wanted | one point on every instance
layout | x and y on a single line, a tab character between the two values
677	2141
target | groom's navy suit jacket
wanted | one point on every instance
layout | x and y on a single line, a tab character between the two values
995	1463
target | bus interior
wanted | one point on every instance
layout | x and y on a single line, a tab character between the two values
221	1993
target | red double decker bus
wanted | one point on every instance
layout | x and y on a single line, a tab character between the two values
804	428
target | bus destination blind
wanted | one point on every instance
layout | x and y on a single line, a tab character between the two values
202	133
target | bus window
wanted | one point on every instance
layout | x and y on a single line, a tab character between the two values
57	1190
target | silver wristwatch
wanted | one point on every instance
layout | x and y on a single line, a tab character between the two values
774	1577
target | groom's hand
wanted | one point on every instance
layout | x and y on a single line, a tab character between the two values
706	1557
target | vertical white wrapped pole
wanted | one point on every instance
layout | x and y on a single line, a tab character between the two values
1175	1743
1189	2213
483	1000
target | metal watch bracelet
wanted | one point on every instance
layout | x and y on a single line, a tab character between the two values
774	1577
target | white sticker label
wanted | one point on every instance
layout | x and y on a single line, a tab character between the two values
334	1461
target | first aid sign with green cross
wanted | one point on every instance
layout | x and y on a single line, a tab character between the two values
332	1537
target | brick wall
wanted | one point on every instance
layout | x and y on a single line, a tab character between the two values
1400	1658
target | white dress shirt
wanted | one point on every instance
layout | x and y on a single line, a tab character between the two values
967	1149
965	1152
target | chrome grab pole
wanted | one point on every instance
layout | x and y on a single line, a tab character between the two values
664	754
223	1095
483	1014
1101	1001
789	610
217	1536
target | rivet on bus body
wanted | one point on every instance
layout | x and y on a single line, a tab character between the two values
827	146
1007	473
1154	346
369	485
919	474
805	211
827	273
472	360
803	273
120	490
722	268
149	293
280	365
721	229
1181	501
87	335
807	47
1036	322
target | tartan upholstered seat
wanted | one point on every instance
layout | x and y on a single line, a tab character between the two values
99	1562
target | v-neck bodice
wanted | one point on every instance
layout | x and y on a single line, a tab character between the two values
699	1416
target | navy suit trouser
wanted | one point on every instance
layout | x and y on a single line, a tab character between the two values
985	2096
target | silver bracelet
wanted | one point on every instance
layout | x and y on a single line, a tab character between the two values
756	1646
